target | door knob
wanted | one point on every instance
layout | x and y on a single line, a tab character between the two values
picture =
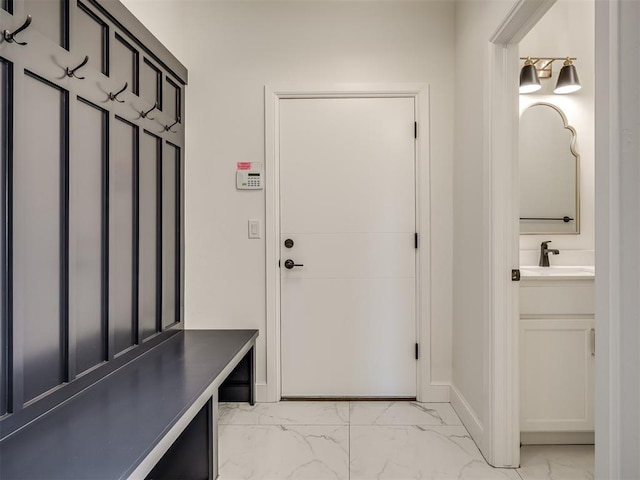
289	264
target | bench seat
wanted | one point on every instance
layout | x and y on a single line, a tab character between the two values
121	426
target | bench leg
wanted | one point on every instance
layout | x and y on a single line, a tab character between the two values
252	376
214	436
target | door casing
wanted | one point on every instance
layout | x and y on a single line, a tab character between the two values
270	392
499	437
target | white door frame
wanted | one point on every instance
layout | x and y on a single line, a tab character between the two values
420	93
617	237
501	363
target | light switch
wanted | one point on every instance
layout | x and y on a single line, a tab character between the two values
254	229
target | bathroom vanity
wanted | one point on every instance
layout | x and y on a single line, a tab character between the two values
557	355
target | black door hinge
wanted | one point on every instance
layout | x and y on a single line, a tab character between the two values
515	275
415	129
417	352
415	244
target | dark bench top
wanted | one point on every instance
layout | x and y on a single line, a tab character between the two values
108	430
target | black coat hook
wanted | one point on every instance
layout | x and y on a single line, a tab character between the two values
114	96
72	72
144	114
10	36
167	128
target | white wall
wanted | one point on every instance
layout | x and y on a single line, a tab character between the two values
476	21
568	29
232	49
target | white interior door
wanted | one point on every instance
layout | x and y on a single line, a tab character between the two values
347	202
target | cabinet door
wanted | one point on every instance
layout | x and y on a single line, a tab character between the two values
556	375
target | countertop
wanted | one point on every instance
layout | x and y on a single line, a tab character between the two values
557	273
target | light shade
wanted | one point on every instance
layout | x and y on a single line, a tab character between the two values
568	81
529	81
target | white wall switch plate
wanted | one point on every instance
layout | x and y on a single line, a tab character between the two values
254	229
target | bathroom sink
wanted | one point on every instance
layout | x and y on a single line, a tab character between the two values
558	271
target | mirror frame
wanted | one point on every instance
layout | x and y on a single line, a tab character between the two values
576	155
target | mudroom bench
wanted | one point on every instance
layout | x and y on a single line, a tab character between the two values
154	418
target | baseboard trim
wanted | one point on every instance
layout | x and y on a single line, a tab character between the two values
468	416
261	393
557	438
436	393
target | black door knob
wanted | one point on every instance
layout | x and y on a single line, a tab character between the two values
289	264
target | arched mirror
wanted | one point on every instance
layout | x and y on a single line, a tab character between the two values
549	172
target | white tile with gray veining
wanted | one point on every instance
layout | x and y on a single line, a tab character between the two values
283	452
402	413
418	452
557	462
285	413
371	440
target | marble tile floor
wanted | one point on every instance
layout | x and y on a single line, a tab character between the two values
557	462
369	440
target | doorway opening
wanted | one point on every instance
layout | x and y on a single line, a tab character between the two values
557	334
503	437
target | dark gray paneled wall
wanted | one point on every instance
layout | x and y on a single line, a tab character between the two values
92	196
50	18
170	239
87	225
40	199
122	234
149	239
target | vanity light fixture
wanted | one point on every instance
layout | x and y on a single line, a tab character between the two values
536	68
568	81
529	80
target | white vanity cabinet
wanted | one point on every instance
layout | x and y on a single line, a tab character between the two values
557	355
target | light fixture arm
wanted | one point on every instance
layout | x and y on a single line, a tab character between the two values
544	65
534	60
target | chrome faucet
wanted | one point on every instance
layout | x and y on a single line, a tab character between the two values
544	253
